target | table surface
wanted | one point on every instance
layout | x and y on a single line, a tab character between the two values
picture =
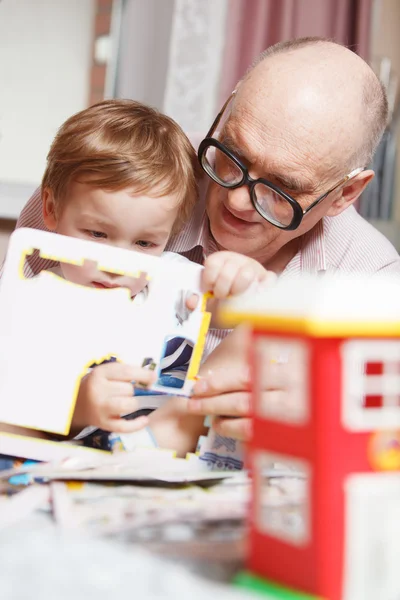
39	560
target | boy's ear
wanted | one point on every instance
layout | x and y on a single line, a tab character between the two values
49	211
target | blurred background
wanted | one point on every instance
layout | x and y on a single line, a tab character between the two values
182	56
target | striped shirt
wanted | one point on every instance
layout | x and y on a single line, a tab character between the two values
345	243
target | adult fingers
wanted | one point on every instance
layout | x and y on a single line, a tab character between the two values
220	381
235	404
245	277
268	278
238	429
251	275
225	280
212	268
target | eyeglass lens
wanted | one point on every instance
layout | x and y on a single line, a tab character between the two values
271	205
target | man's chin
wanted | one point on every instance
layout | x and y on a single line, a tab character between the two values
231	241
254	244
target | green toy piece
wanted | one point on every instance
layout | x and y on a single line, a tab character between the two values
268	590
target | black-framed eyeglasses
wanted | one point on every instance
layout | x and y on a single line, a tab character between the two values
272	203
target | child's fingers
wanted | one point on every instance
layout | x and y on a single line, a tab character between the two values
144	377
120	405
116	371
121	372
126	426
192	301
120	389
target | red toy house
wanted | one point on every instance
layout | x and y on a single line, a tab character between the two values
328	352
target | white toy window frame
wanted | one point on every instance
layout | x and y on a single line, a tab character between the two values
371	384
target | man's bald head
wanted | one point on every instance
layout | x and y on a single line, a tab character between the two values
328	89
307	114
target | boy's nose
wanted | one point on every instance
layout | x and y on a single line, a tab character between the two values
112	275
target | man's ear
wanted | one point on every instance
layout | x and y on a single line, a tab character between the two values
350	192
49	209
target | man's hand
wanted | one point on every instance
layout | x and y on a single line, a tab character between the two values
175	429
228	274
223	391
224	394
106	393
223	388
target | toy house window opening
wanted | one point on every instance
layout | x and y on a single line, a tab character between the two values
371	384
282	505
282	369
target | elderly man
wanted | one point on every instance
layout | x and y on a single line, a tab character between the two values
283	174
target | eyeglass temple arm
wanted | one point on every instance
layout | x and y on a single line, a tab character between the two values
219	115
351	175
335	187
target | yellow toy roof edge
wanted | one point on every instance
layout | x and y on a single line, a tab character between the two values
308	326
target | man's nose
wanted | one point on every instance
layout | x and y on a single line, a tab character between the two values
239	199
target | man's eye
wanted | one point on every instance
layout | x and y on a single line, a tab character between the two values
96	234
144	244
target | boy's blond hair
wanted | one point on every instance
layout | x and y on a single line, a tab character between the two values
118	144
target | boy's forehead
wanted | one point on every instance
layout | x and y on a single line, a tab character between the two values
127	204
90	185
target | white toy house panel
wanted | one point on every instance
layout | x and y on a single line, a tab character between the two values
52	331
282	365
371	384
372	546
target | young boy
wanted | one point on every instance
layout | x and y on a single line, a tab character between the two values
121	173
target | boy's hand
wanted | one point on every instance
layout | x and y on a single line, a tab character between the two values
106	393
228	273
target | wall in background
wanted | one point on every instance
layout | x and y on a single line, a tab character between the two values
45	57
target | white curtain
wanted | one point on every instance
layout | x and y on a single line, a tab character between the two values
144	50
170	56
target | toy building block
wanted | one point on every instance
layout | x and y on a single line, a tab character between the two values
327	349
269	591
